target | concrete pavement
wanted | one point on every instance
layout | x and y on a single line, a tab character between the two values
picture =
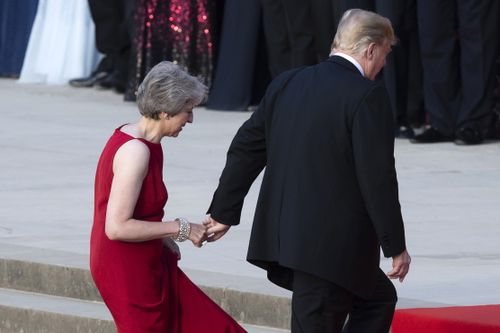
51	138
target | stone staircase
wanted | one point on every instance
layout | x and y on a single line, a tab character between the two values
51	291
42	295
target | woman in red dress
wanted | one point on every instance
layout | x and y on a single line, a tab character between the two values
133	258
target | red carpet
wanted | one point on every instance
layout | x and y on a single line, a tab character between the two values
459	319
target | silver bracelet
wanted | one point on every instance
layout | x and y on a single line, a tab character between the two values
184	229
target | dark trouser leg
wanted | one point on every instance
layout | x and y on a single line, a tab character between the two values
112	19
126	31
107	16
415	114
300	32
276	33
439	51
323	18
403	70
318	306
478	31
113	23
394	79
374	314
338	11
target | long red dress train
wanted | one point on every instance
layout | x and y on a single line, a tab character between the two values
140	283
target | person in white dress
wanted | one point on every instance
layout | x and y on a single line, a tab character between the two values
62	43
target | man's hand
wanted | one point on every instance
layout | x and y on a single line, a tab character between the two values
400	266
215	230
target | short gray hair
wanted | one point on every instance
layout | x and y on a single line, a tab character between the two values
168	88
359	28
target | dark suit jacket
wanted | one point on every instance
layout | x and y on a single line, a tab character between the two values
329	196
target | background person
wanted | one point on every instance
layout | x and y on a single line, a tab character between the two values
459	47
61	43
113	28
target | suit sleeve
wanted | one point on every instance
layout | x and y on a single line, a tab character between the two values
373	147
246	158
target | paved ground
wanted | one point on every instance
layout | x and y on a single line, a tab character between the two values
51	137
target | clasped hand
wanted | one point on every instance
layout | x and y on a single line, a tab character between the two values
215	230
209	230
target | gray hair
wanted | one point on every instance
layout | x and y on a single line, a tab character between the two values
359	28
168	88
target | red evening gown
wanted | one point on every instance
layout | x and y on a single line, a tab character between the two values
140	282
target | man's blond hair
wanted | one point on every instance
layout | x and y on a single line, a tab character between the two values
359	28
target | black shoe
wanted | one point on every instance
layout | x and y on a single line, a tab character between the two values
468	136
90	81
112	82
404	132
430	135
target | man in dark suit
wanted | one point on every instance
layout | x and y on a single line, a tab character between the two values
329	196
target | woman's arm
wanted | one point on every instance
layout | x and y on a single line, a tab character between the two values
130	166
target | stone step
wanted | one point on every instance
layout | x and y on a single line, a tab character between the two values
249	300
31	312
64	274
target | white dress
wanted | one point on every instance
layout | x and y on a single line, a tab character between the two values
62	43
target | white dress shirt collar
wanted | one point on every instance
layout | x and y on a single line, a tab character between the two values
351	60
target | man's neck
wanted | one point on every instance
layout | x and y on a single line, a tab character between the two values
351	58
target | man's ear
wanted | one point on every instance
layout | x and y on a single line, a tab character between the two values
370	50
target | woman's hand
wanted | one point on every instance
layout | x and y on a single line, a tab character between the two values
172	245
198	234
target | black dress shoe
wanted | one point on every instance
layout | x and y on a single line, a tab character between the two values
112	82
90	81
468	136
430	135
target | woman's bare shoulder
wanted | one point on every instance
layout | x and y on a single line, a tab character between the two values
132	156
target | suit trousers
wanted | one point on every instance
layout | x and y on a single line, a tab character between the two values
289	34
403	70
459	45
113	28
320	306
